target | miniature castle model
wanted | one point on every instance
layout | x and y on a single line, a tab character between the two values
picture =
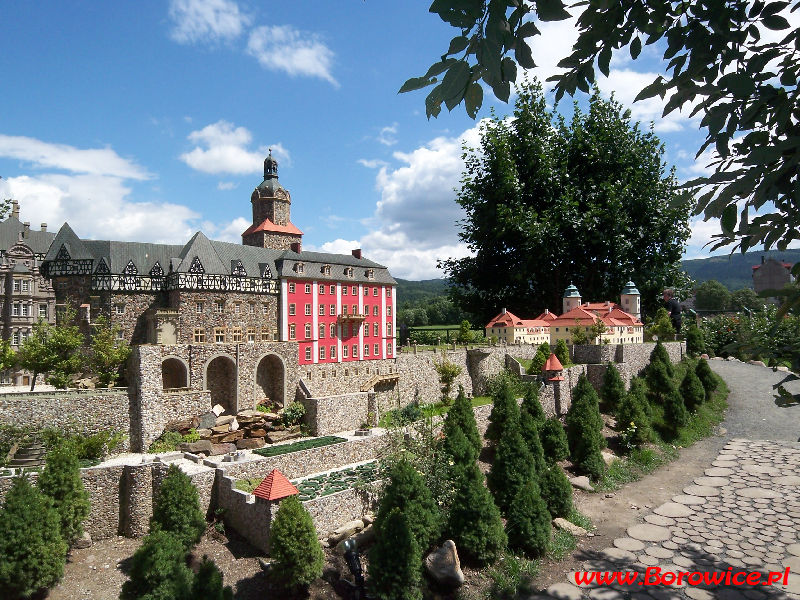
622	321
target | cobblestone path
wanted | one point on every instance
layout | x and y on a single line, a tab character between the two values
743	514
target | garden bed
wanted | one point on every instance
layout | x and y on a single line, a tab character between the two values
319	442
337	481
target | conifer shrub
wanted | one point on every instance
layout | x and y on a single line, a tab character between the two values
504	409
158	569
61	482
692	390
458	449
208	584
584	429
556	491
695	344
528	522
461	416
660	354
474	521
632	417
554	440
297	557
613	387
706	377
406	491
176	508
562	352
395	561
512	467
639	386
539	359
32	551
675	413
659	381
530	433
531	404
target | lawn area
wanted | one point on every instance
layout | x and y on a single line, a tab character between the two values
414	412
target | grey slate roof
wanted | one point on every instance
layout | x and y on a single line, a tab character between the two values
219	258
38	241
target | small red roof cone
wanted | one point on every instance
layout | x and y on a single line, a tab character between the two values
275	486
552	364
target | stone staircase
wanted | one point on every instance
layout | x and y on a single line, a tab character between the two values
31	454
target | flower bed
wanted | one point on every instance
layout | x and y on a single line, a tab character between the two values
337	481
297	446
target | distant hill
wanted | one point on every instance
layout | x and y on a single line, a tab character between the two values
734	271
414	291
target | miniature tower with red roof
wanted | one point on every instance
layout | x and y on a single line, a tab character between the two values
275	487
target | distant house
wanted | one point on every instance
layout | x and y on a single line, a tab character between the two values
510	329
771	274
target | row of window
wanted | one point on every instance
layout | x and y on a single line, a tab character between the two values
331	351
332	289
19	336
23	285
19	309
219	307
353	330
326	270
221	335
332	310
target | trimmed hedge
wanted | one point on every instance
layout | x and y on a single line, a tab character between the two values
319	442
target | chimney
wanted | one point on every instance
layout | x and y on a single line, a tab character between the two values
44	226
296	247
15	209
357	253
503	311
26	228
547	311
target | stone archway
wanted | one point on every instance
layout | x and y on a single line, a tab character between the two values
221	382
174	374
270	379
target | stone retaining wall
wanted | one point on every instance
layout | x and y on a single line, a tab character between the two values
329	512
248	515
332	414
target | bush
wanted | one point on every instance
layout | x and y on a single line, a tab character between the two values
293	414
395	561
61	482
661	325
692	390
631	413
504	409
461	416
530	433
457	447
584	429
32	551
613	387
659	381
660	354
554	440
207	583
695	345
296	552
556	491
176	509
562	352
474	522
158	570
406	491
531	404
166	442
512	467
528	524
718	332
319	442
675	413
541	356
706	377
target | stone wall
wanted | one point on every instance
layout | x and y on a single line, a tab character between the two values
333	414
245	513
329	512
78	411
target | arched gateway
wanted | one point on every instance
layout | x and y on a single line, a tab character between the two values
270	379
220	380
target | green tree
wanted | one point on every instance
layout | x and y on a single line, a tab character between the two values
395	561
706	377
461	416
711	295
208	584
744	299
675	413
109	353
554	441
695	345
580	336
598	181
529	429
528	523
61	482
474	521
406	491
539	359
562	353
719	63
692	390
504	409
513	466
613	387
53	349
584	429
660	354
659	382
32	551
448	373
596	331
8	357
457	447
556	491
464	332
661	325
631	412
176	508
297	557
531	404
35	354
158	570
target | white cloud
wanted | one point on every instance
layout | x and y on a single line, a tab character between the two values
206	21
94	161
298	53
222	148
226	185
387	135
372	163
227	232
554	43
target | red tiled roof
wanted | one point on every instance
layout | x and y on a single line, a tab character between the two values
546	316
552	364
268	225
504	319
785	265
583	316
275	486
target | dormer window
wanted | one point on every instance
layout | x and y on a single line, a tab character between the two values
370	274
326	269
348	272
299	267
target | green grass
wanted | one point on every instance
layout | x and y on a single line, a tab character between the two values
248	484
512	575
581	520
297	446
525	362
563	542
393	418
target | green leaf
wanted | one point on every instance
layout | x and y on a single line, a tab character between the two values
657	88
440	67
524	55
604	60
433	102
728	219
741	85
527	29
551	10
473	99
775	22
455	82
416	83
488	55
457	44
636	47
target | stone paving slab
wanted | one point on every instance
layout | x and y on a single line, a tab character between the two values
743	515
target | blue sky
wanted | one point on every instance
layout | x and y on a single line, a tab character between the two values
148	121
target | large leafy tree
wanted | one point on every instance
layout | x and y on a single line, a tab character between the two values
549	202
109	353
735	63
